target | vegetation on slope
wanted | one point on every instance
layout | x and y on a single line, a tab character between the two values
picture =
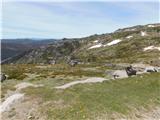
100	100
129	50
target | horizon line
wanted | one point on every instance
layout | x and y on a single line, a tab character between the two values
36	38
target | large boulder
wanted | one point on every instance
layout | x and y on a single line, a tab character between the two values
52	62
151	69
120	74
130	71
75	62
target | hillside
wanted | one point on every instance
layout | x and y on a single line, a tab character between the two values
14	47
124	45
98	88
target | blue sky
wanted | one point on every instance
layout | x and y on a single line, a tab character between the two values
73	19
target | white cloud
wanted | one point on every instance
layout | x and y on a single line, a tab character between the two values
38	19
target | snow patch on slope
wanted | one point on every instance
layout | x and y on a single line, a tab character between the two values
130	36
151	48
114	42
96	46
151	26
95	41
143	33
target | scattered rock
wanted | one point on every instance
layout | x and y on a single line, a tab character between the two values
151	69
30	117
130	71
3	77
75	62
53	62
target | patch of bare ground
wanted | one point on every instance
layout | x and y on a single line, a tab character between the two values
89	80
27	109
23	85
145	114
17	106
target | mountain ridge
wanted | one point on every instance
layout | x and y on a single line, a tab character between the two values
97	48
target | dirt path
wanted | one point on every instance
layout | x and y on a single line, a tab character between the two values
25	85
5	106
89	80
17	106
26	109
16	96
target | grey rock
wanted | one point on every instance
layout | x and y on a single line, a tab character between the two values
2	77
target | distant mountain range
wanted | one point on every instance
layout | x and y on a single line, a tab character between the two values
134	44
13	47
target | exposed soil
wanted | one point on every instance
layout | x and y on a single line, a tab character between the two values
89	80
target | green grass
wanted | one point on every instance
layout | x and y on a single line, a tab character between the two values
15	71
86	101
18	71
91	101
128	51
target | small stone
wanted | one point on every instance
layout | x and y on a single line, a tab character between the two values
30	117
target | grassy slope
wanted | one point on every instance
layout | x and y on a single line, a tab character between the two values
126	51
100	100
130	50
93	101
87	101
